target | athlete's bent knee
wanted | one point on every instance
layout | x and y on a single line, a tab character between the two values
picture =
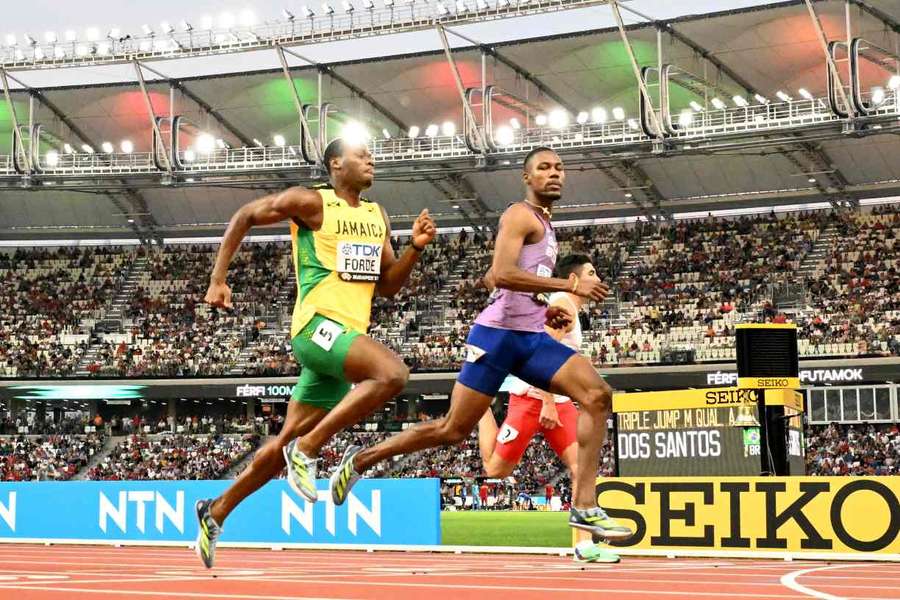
498	471
598	400
394	377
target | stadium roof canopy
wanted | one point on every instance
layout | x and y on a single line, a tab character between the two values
574	59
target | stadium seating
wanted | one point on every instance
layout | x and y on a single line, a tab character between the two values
130	312
37	458
173	457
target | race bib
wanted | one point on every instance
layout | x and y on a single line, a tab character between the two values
544	271
326	334
473	353
507	434
358	261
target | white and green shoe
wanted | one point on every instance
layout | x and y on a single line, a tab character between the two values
598	522
301	471
344	476
589	552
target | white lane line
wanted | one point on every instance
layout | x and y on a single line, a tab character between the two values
789	580
174	594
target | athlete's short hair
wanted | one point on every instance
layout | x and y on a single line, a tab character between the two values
569	264
527	162
334	149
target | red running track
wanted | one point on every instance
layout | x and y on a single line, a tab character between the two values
29	572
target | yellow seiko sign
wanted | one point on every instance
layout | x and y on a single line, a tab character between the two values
818	515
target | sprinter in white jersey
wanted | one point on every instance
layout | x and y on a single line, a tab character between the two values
532	410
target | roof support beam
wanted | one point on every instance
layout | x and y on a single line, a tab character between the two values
815	155
137	200
205	107
882	16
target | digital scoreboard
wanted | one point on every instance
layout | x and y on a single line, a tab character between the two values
714	432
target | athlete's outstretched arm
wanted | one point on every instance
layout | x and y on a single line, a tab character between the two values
293	203
395	271
515	225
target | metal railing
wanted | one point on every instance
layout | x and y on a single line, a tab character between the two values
338	24
707	126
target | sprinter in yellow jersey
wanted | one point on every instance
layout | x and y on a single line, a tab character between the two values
342	255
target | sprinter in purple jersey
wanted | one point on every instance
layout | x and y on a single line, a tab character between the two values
509	338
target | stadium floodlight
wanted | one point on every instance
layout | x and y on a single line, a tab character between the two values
51	37
503	3
685	118
481	5
811	179
52	158
68	149
103	48
114	34
431	131
598	114
632	123
308	11
327	9
441	10
288	15
461	7
355	133
368	4
30	40
618	113
206	22
71	35
805	93
58	52
19	54
740	101
514	123
558	118
389	3
87	149
761	99
386	134
782	96
696	106
894	82
348	8
92	34
448	128
540	120
505	135
10	39
582	118
107	147
81	50
414	132
38	53
717	103
205	143
186	27
247	18
877	95
167	28
189	155
145	46
127	147
220	143
148	31
279	140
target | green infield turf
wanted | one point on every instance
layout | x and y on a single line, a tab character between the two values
501	528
